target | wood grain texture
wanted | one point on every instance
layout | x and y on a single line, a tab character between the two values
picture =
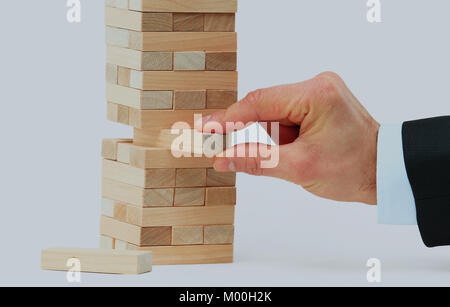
117	113
110	147
139	60
106	242
118	37
221	61
220	196
111	73
219	234
137	196
151	178
123	76
143	100
189	100
190	177
195	6
187	235
123	152
219	179
220	23
188	197
140	236
220	99
97	260
185	22
189	61
137	21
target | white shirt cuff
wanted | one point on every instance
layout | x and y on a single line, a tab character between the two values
396	204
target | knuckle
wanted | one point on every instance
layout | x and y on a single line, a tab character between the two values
254	97
253	167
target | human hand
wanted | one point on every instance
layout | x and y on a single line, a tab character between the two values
327	142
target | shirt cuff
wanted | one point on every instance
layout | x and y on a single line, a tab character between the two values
396	204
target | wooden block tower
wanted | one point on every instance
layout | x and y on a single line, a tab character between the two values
168	60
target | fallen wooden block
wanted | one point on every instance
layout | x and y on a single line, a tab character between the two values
220	196
97	260
139	60
137	21
187	235
202	6
219	234
186	22
165	119
219	22
220	179
110	147
172	41
137	99
220	99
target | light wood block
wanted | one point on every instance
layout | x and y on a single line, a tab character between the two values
137	196
150	178
110	147
120	245
222	234
221	61
188	61
188	197
220	196
220	99
118	113
140	236
195	6
190	177
143	100
220	22
149	157
180	216
108	207
123	152
123	76
183	22
187	235
106	242
137	21
172	41
120	212
219	179
121	4
190	100
98	260
111	73
139	60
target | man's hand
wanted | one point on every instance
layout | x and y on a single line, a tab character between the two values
328	140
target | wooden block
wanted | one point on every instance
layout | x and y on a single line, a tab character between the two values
137	21
108	207
139	60
190	100
187	235
172	41
111	73
221	196
219	179
123	152
189	61
187	197
220	22
151	178
120	245
188	22
123	76
194	6
106	242
190	177
117	113
221	61
143	100
222	234
121	4
180	216
149	157
120	212
220	99
110	147
135	195
97	260
141	236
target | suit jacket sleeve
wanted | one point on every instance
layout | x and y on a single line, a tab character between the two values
426	148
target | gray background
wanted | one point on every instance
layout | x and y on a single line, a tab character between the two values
53	120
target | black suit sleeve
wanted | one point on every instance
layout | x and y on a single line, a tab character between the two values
426	147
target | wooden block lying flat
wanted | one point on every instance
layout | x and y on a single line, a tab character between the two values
185	22
195	6
121	4
188	61
139	60
190	177
190	100
187	235
137	21
135	195
221	196
220	99
151	178
111	73
220	22
118	113
219	179
149	157
141	236
172	41
188	197
221	61
137	99
110	147
98	260
222	234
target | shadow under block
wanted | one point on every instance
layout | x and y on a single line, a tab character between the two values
137	99
219	234
140	236
172	41
110	147
187	235
138	21
191	6
98	260
139	60
220	196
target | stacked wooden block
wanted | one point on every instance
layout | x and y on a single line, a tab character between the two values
168	60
